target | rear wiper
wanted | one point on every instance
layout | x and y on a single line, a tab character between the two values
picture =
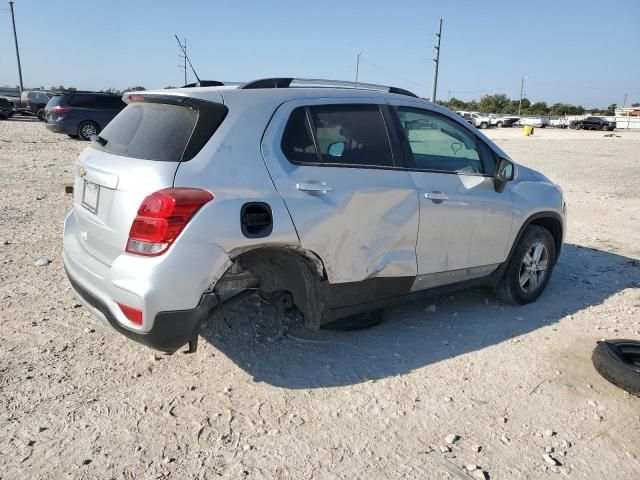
98	139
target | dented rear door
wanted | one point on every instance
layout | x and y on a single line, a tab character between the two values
350	201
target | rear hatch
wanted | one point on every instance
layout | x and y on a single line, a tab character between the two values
137	154
51	113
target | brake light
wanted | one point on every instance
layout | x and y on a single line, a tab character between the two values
133	314
136	98
161	217
59	109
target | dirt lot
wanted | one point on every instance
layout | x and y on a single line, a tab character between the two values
80	401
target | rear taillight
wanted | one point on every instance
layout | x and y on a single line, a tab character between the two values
161	217
60	109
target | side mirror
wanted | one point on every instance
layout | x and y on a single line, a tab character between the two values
336	149
504	174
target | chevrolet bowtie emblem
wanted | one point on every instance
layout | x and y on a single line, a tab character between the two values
81	172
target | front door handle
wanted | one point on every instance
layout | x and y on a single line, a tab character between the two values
436	196
320	187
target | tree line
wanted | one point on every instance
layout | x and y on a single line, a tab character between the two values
500	103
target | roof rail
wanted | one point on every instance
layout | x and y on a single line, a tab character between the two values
285	82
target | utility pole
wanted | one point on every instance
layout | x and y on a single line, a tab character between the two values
436	61
186	58
358	65
624	104
15	38
521	90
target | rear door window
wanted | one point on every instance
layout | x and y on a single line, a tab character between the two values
109	102
339	135
161	131
83	101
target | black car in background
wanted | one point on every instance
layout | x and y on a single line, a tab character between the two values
32	102
6	109
82	114
593	123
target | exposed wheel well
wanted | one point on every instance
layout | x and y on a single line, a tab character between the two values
554	226
298	272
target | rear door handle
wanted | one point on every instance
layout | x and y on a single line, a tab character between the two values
314	187
436	196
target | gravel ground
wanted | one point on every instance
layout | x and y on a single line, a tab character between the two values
78	400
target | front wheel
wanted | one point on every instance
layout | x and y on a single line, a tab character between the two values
87	129
483	125
529	268
499	124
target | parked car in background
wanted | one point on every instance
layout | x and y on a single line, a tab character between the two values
480	120
33	102
6	109
501	121
466	116
540	122
82	114
593	123
191	199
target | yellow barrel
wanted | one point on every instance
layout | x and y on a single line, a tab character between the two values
528	130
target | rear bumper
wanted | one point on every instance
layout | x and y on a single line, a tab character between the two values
59	127
170	330
167	289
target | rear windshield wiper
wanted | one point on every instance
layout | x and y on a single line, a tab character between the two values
98	139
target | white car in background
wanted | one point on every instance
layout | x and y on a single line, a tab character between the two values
540	122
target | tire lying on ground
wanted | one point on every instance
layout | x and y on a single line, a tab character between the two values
618	361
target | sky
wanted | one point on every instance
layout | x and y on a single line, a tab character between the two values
581	52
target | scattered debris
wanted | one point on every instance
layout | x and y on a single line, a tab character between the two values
476	448
42	262
471	467
504	439
444	449
549	433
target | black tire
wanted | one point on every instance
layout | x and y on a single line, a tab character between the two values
618	361
41	115
499	124
483	125
509	288
72	136
86	129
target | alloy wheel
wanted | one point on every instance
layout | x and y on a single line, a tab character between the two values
534	266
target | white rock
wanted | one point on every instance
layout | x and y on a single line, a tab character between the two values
42	262
471	467
504	439
476	448
448	399
549	433
548	449
451	438
550	460
479	475
444	449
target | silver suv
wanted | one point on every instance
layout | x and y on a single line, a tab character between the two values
328	197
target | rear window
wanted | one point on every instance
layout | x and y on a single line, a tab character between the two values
54	101
161	131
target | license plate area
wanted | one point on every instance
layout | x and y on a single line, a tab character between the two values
90	196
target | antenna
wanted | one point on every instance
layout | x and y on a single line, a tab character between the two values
186	57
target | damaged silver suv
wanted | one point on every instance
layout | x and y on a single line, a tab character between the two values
328	197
